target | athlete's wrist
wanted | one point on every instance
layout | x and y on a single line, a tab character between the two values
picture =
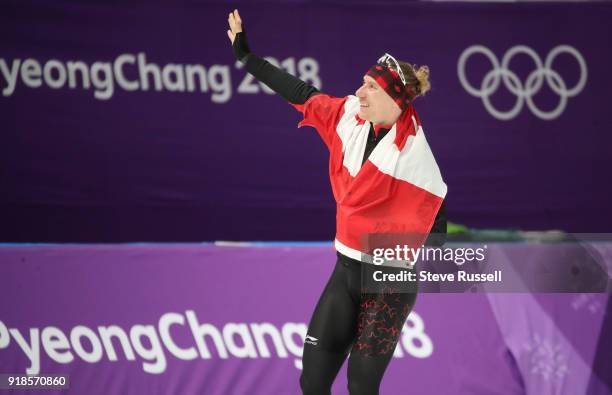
240	47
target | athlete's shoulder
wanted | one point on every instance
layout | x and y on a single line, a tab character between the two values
322	102
325	99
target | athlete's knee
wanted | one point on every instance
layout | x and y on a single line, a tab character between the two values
362	386
365	373
313	385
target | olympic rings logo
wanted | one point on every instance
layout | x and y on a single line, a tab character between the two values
524	92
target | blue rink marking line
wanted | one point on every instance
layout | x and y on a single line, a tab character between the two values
227	243
218	243
222	243
143	243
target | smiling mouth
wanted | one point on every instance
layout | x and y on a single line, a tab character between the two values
364	105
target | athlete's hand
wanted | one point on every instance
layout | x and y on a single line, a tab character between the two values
235	25
237	36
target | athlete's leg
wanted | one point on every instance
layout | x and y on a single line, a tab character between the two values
320	368
380	322
331	331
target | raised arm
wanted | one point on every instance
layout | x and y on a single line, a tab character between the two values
291	88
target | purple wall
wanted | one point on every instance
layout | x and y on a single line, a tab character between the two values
120	163
460	343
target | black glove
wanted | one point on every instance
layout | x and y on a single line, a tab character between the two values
241	47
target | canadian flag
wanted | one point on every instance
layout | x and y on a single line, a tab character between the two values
394	197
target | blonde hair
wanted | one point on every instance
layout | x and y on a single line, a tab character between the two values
416	77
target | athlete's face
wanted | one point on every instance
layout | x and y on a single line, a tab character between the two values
376	105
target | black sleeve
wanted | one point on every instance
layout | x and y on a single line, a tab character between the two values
437	235
291	88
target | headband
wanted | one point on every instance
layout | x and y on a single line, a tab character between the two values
388	74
